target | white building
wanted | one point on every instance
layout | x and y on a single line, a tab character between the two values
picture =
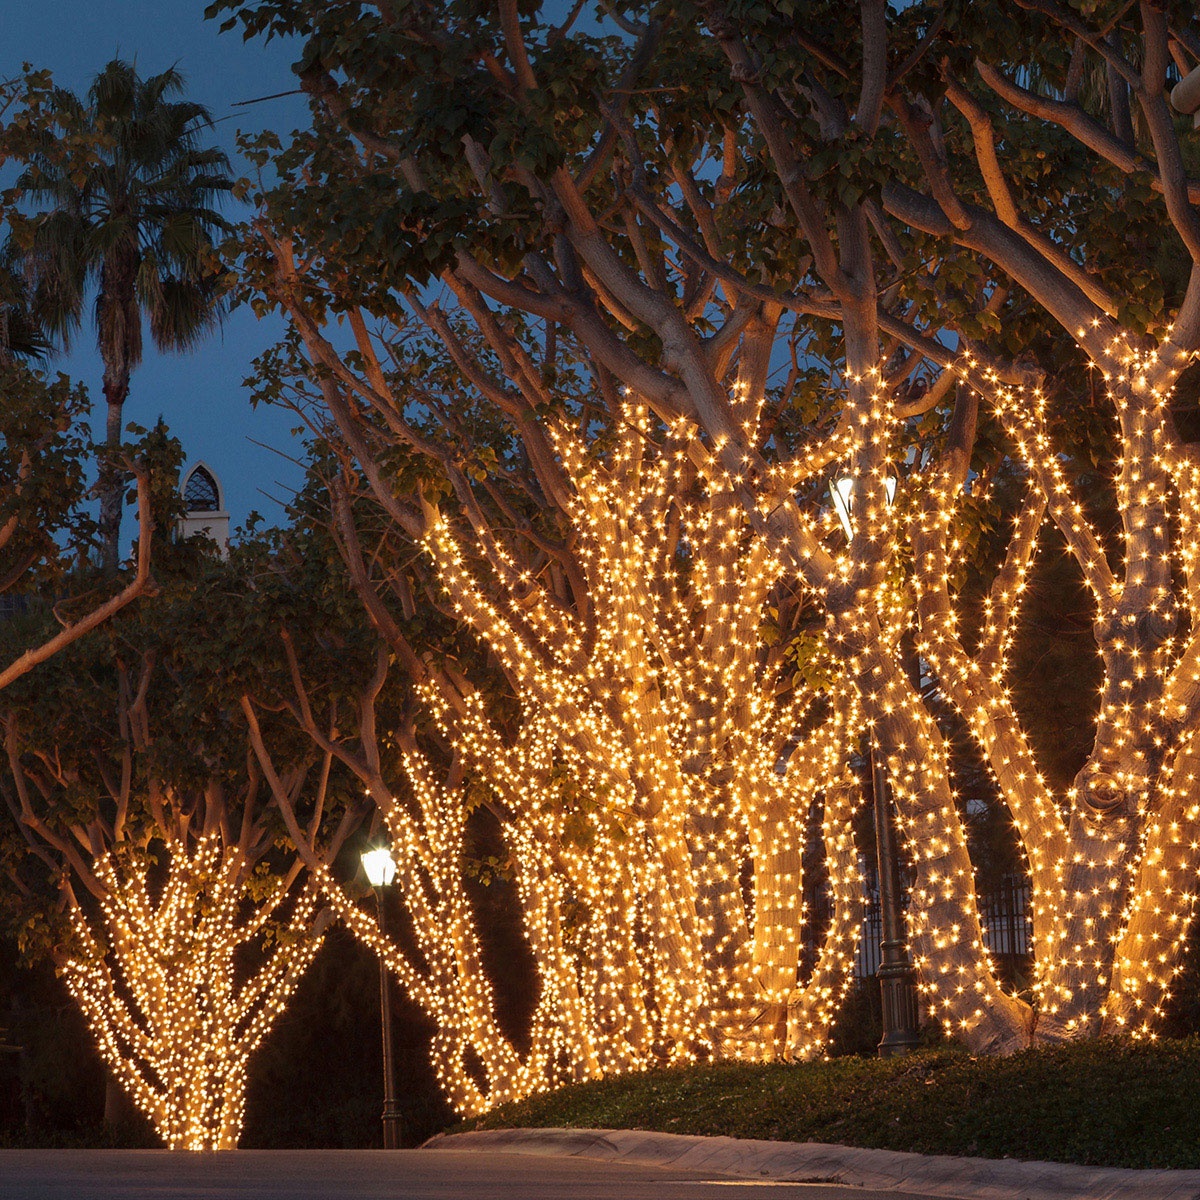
205	507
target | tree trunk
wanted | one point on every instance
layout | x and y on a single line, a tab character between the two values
813	1008
777	891
112	483
119	1111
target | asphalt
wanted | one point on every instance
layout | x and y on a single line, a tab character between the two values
804	1162
372	1175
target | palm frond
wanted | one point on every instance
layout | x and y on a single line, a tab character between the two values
129	197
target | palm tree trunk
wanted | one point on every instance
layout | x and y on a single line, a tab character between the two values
112	481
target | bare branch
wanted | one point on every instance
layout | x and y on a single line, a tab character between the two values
138	586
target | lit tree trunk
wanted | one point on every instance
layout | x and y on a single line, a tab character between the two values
813	1007
159	994
185	945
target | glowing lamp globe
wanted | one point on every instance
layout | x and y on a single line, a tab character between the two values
379	866
842	494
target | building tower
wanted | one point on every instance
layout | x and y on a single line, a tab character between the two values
204	503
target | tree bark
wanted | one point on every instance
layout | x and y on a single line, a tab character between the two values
112	483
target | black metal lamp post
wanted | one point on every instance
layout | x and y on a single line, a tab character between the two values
897	979
381	871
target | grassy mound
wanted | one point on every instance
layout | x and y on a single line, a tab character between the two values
1104	1103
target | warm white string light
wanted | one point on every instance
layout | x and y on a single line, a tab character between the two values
649	773
175	1014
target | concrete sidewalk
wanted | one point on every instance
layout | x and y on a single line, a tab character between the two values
814	1162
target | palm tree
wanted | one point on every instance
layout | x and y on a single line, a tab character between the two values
22	337
127	195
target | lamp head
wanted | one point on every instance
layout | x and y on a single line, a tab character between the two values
842	494
379	866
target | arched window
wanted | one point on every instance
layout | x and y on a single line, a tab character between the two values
200	492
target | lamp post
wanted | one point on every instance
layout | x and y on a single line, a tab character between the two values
381	871
897	979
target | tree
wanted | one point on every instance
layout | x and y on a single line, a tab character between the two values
42	459
703	195
21	336
636	929
128	191
184	919
735	362
43	456
1116	858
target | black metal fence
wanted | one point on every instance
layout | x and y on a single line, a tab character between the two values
1003	911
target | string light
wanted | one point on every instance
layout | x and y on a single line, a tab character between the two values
654	765
169	1000
1113	863
655	708
660	716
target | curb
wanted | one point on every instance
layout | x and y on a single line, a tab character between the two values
816	1162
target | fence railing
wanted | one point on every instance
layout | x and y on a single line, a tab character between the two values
1004	913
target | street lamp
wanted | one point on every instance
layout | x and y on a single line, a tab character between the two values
381	871
897	979
842	494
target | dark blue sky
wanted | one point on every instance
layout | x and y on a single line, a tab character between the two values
200	394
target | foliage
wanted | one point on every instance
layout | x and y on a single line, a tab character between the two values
43	459
185	918
1102	1103
116	195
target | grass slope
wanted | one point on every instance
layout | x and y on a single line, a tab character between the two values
1104	1103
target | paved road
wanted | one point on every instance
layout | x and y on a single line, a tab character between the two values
370	1175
